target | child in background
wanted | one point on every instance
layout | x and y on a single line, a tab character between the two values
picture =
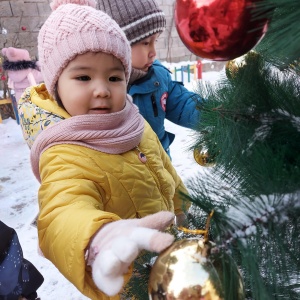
107	185
150	85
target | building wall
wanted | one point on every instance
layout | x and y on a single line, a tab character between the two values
20	21
170	47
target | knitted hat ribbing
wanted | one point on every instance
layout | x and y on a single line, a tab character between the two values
76	27
138	18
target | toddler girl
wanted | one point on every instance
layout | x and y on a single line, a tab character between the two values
107	185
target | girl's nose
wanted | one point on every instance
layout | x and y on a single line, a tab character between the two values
101	90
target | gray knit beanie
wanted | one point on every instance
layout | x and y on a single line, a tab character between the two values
139	19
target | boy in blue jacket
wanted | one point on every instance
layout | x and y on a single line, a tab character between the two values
154	92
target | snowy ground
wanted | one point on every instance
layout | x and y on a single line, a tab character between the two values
18	195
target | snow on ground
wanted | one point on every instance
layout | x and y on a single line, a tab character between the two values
18	195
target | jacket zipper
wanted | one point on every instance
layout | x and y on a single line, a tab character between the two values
155	110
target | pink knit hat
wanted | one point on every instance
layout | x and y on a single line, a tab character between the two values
76	27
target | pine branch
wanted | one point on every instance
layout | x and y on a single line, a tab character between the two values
281	42
260	233
250	123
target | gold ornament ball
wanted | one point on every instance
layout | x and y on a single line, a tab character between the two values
233	66
185	271
203	159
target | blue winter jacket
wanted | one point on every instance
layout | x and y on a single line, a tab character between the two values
159	97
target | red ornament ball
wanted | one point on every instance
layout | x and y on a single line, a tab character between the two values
3	77
220	30
23	28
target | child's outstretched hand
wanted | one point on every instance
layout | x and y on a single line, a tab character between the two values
117	245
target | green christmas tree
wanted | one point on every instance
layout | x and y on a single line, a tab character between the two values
250	126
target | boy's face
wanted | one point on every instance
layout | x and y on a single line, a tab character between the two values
143	53
93	83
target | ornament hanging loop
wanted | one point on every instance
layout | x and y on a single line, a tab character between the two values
205	231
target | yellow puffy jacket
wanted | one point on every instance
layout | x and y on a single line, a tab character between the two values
82	189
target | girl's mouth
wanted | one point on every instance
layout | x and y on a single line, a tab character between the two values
99	110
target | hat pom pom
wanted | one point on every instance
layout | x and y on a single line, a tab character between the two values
56	3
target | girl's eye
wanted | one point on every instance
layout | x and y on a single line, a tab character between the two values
115	78
83	78
146	43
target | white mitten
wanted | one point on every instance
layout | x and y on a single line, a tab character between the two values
117	245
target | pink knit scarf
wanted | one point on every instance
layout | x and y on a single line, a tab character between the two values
113	133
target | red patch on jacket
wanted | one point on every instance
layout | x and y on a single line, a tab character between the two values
163	100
